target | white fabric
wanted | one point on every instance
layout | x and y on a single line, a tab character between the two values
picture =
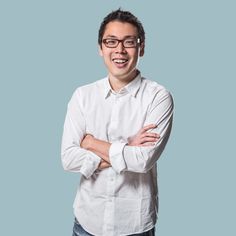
122	199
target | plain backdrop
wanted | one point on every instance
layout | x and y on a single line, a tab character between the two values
49	48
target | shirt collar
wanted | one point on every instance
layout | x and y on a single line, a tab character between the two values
131	87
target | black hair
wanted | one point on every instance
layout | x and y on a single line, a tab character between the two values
122	16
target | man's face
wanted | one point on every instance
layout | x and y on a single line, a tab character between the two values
121	61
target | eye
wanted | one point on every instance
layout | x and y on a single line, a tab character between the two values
111	42
130	42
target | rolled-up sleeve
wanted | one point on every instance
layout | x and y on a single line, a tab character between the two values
74	158
141	159
116	156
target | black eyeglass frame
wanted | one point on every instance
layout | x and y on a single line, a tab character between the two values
138	41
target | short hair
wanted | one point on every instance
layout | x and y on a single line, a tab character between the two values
122	16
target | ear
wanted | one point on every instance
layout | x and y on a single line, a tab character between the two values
100	50
141	51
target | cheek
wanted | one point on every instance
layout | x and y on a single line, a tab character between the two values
107	59
105	54
135	56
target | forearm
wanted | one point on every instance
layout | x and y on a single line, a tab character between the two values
142	159
100	148
76	159
138	159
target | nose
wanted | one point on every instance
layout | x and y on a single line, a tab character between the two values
120	48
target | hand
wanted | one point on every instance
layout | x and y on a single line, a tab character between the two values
103	165
144	138
86	142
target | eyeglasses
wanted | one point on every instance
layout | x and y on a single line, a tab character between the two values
126	43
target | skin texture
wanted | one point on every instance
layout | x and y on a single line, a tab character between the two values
119	76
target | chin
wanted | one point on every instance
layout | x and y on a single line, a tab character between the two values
123	74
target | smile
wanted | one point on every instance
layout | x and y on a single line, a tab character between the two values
120	61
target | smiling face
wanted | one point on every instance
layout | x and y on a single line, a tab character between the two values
120	61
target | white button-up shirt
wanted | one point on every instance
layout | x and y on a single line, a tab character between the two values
121	199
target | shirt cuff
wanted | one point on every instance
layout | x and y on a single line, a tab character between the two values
116	156
90	164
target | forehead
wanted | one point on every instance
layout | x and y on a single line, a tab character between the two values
120	29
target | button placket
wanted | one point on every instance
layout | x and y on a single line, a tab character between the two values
109	207
112	132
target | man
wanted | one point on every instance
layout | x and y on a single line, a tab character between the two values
115	130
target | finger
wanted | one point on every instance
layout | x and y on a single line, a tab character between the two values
147	144
147	134
147	127
149	139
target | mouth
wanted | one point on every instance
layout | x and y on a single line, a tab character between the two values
120	62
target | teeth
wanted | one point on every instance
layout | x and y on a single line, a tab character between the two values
120	61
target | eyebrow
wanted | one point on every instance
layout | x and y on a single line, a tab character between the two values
127	36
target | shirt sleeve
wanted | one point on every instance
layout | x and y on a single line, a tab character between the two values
74	158
141	159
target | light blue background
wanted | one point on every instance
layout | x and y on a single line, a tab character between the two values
48	48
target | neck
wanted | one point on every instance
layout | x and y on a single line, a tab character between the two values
117	83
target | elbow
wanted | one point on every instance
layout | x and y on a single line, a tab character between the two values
69	158
147	165
65	167
143	170
146	161
143	167
65	161
151	156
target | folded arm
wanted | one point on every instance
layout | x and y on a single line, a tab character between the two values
101	148
74	157
137	156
